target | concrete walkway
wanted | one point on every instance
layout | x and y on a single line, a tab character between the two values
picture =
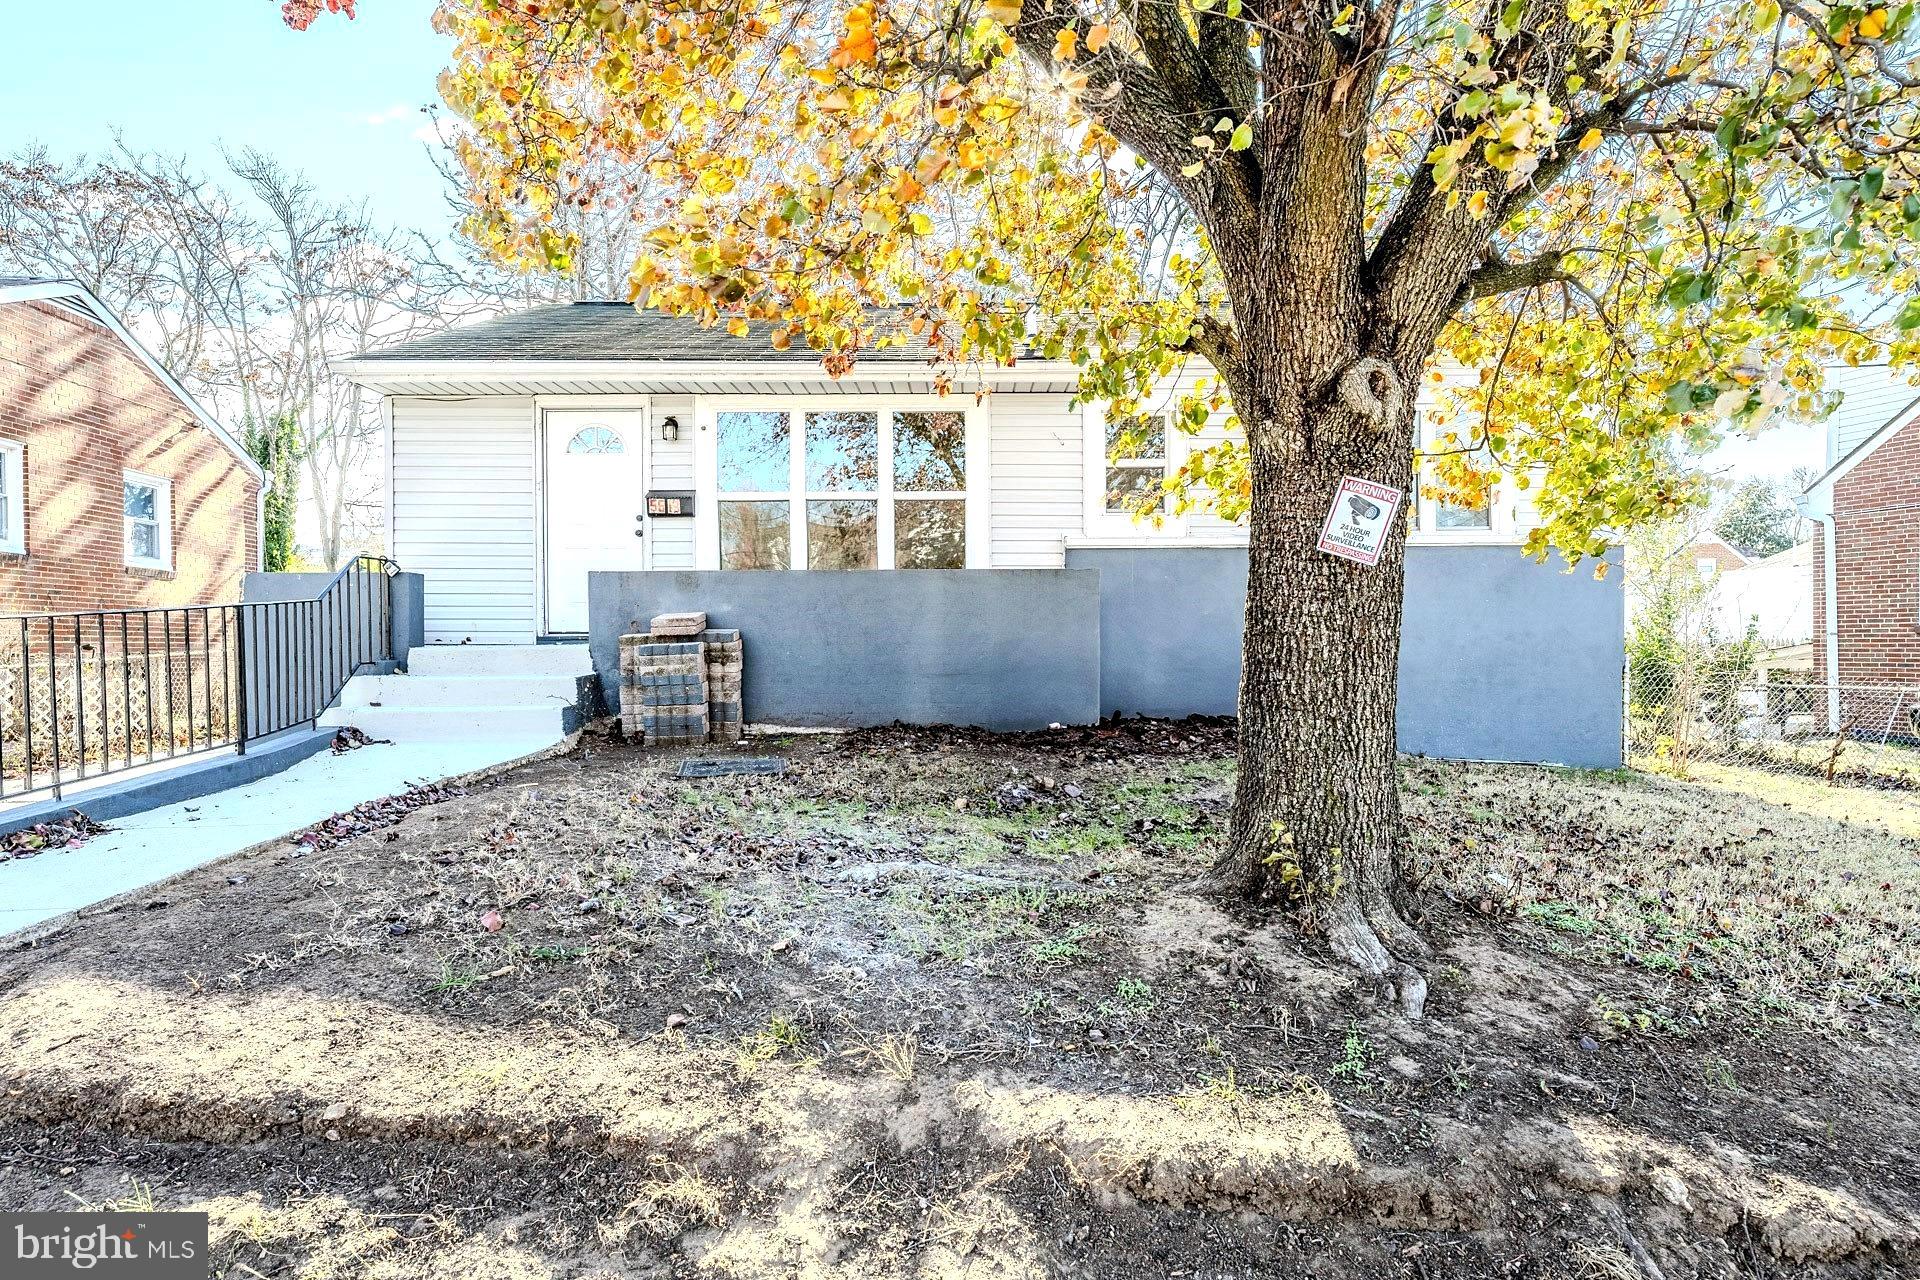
149	847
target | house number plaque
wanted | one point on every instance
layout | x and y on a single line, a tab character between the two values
669	502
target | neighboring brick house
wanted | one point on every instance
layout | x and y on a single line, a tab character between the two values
117	490
1866	550
1711	556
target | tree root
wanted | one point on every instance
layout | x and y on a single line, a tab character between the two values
1352	936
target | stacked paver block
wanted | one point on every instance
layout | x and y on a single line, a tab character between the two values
686	625
725	663
663	688
682	688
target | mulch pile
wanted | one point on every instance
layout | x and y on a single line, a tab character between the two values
1114	739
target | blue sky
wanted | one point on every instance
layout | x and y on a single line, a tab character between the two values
339	102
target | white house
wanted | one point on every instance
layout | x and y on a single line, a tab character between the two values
1775	594
528	452
522	450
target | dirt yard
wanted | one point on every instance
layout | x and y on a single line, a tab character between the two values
946	1005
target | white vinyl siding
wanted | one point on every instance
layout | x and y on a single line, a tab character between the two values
463	514
464	507
1035	483
1871	395
672	463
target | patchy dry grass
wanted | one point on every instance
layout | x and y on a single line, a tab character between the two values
1755	909
941	1005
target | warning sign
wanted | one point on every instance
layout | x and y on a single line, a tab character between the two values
1356	527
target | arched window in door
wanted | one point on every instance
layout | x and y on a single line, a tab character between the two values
596	440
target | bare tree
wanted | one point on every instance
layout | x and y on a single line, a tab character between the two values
246	293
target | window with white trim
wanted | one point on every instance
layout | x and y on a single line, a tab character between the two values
1438	515
820	486
147	516
13	498
1127	461
1136	465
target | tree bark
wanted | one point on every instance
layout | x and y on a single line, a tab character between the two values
1316	815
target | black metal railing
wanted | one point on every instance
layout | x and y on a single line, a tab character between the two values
84	695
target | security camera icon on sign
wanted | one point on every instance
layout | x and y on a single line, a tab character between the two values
1361	508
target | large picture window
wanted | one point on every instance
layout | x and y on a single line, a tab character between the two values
825	487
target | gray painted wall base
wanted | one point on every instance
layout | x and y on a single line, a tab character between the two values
1500	658
188	780
999	648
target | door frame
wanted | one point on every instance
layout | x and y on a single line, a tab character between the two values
542	407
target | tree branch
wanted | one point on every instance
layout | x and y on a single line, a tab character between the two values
1497	275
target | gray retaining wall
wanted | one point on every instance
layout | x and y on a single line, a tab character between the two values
1000	648
1501	658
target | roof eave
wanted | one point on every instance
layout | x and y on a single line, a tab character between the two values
368	371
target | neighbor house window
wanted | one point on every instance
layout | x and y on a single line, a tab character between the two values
147	514
827	487
13	498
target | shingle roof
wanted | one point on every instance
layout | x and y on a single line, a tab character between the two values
609	331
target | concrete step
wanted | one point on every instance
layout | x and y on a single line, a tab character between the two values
499	660
460	691
451	724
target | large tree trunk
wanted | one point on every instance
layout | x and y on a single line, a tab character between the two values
1316	817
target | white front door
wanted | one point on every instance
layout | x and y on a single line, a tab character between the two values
596	504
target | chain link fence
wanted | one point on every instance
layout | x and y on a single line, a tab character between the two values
1685	722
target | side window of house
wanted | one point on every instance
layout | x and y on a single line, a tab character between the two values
1136	464
864	489
13	504
1439	514
147	514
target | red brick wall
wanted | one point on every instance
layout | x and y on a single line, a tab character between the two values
1723	556
1876	509
86	408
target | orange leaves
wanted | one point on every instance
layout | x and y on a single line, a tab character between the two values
946	106
931	166
1097	36
859	44
1063	45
